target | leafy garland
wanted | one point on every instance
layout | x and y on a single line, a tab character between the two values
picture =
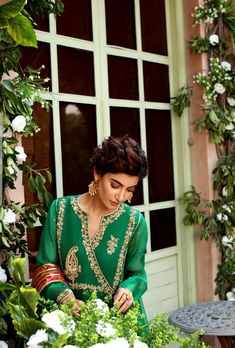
19	91
217	217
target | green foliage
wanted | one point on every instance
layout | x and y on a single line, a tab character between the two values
181	100
217	217
22	304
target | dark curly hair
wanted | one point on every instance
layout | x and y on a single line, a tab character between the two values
119	155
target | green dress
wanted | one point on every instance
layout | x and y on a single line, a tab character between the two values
114	258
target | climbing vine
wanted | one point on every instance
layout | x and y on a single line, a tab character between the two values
217	217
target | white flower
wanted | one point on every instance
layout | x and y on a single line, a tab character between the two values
224	191
139	344
226	241
231	101
99	345
219	216
21	154
38	337
3	344
11	170
57	320
226	65
230	126
214	39
19	123
219	88
3	276
230	296
10	217
118	343
101	305
105	329
226	207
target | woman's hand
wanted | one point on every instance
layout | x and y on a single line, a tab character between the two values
124	298
77	308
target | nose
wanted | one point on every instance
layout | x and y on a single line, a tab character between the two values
120	196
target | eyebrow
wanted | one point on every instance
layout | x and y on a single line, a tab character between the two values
119	183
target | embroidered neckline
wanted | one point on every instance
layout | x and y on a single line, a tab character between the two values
104	222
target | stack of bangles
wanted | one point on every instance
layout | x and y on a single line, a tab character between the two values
45	275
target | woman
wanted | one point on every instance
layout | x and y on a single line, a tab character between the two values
94	241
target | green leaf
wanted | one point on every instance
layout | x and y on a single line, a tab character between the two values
5	242
28	327
31	184
18	271
21	30
12	8
31	297
7	286
3	22
8	85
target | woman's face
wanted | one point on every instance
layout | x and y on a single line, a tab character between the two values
114	189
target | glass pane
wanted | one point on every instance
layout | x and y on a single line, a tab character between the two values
40	150
126	121
159	151
120	23
156	82
76	71
36	57
78	137
123	79
153	26
162	225
76	20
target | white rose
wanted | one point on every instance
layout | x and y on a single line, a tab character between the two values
19	123
219	88
139	344
231	101
21	154
105	329
230	296
3	276
3	344
101	305
214	39
226	241
226	65
55	320
219	216
230	126
224	192
99	345
10	217
11	170
38	337
118	343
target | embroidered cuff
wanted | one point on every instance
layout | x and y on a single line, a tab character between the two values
65	296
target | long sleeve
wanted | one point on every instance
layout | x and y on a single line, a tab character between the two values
135	278
48	255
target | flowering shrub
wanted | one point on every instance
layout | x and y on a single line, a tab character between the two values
217	217
42	323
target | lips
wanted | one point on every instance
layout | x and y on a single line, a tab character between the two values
115	203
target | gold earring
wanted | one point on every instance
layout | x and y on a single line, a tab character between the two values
93	188
129	199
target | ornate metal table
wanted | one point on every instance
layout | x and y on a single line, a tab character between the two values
214	318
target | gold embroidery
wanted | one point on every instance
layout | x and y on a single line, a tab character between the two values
105	221
60	227
104	285
121	260
84	286
72	268
65	296
112	243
